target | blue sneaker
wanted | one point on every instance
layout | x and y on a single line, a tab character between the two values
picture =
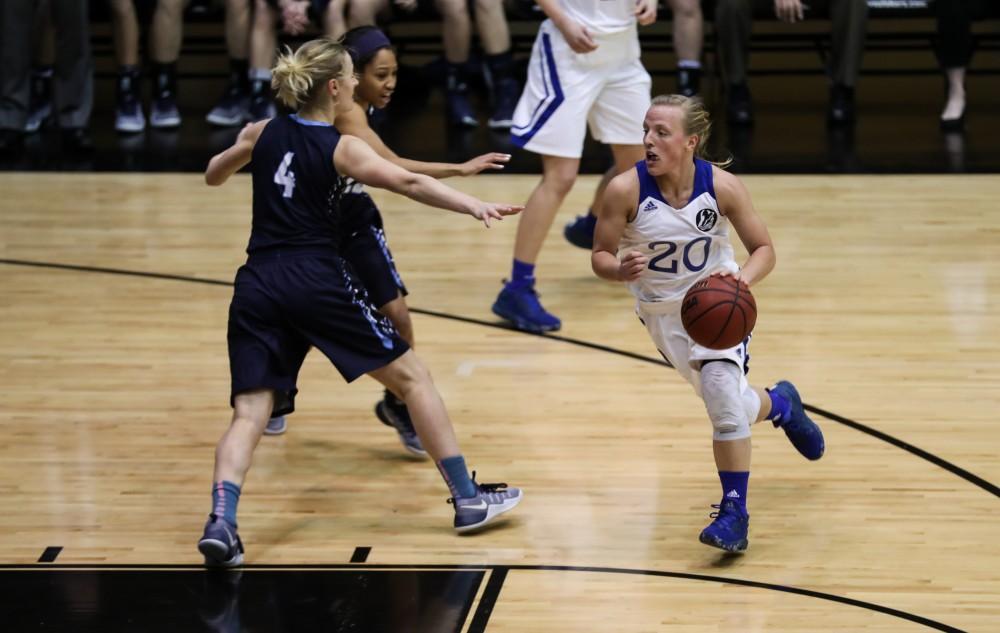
804	434
491	500
276	426
392	412
580	232
729	529
220	544
522	308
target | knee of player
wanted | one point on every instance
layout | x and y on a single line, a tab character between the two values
561	181
720	389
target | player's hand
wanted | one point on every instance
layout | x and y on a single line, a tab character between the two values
487	211
406	5
493	160
645	12
737	276
789	10
295	16
577	36
632	265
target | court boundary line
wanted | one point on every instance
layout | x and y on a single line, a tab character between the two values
503	570
954	469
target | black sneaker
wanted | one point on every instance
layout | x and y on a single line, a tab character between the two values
77	140
841	111
739	107
220	544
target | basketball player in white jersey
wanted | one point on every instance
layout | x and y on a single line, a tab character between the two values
584	71
665	225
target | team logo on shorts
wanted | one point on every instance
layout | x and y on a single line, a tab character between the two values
706	219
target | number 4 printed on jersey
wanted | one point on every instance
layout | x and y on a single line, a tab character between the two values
284	177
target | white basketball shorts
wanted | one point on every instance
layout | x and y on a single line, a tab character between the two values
663	322
607	89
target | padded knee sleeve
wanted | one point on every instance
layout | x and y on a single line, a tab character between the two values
720	389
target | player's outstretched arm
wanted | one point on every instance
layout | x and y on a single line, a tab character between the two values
735	204
620	199
355	123
228	162
354	158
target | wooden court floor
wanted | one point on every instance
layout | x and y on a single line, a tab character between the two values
884	309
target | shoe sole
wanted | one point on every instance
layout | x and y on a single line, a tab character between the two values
521	324
213	551
130	128
387	420
738	548
279	431
492	513
225	122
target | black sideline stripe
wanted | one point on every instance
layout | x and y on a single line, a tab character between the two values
991	488
495	583
489	600
50	554
360	554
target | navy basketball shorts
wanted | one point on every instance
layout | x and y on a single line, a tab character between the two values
286	302
366	249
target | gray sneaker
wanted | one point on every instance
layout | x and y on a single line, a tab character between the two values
128	115
392	412
231	110
491	500
276	426
164	113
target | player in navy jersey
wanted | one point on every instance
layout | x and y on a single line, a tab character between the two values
296	291
365	246
663	227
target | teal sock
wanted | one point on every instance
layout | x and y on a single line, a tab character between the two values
456	475
225	497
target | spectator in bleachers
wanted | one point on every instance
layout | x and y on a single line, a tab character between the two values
689	29
849	22
73	70
954	48
456	35
232	107
40	98
165	48
292	17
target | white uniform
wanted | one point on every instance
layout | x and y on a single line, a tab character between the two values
607	88
683	246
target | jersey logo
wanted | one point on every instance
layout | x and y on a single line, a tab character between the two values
705	220
650	206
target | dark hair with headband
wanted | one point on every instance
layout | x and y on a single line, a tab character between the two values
363	43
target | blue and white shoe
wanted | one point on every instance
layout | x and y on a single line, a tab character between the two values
491	500
231	110
805	435
580	231
276	426
729	529
522	308
163	114
460	112
392	412
220	544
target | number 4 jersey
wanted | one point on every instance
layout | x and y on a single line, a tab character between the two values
296	190
683	245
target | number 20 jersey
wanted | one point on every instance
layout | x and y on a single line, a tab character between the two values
683	245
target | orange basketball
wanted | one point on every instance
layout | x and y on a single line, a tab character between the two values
718	312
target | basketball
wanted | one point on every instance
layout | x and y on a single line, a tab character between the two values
718	312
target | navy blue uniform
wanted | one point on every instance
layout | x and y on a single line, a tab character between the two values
296	290
364	244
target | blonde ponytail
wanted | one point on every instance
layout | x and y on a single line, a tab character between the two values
299	76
